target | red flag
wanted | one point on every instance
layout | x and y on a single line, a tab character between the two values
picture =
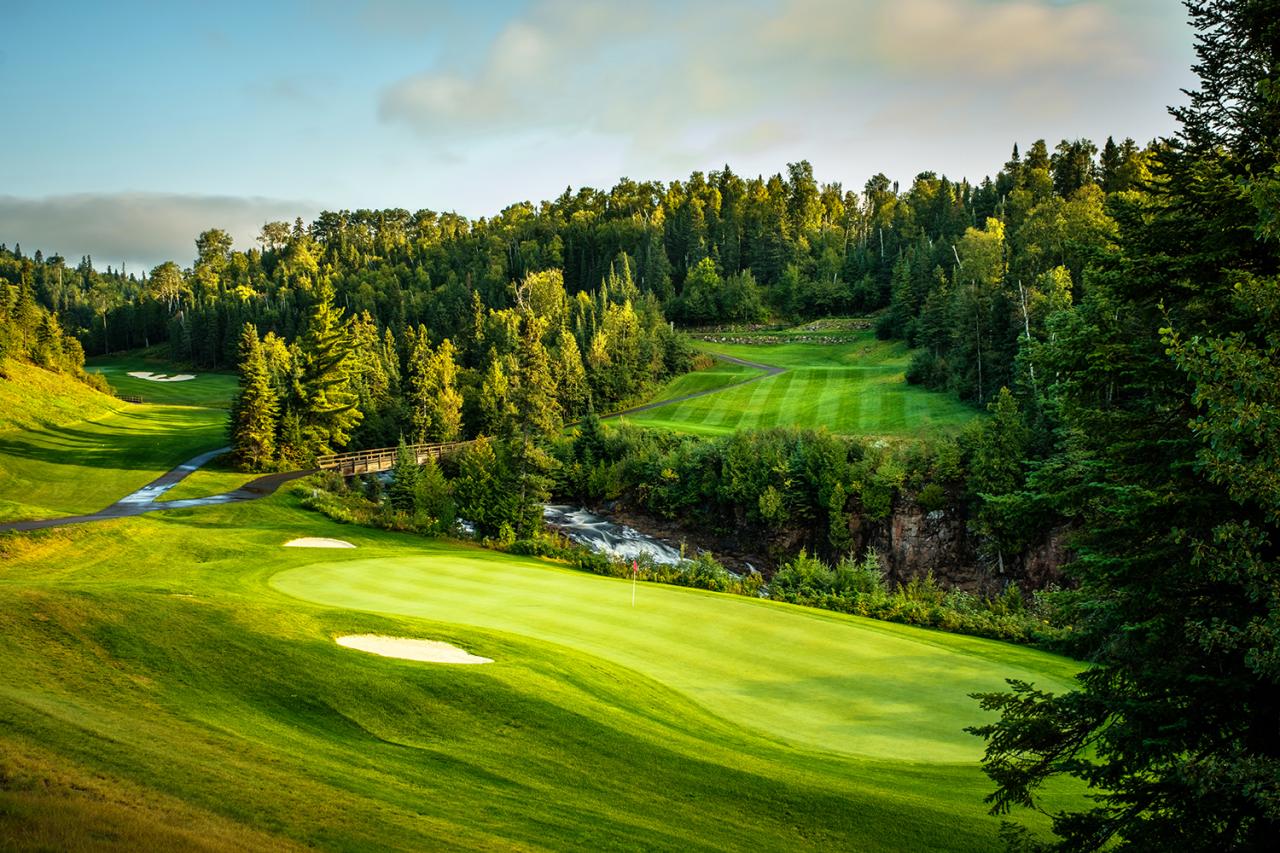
635	567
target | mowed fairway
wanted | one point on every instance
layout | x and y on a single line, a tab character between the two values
855	388
68	459
213	390
811	678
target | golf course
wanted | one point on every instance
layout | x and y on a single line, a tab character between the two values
855	385
173	680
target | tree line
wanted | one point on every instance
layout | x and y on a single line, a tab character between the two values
32	332
516	372
1146	362
714	248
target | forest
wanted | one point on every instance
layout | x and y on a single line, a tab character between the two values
970	274
1116	310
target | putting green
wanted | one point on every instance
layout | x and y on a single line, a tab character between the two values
814	679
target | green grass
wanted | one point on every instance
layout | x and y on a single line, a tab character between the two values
719	375
214	478
158	655
171	682
211	389
856	388
821	680
33	398
58	459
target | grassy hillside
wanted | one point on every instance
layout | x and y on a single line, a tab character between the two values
171	681
856	388
717	376
67	449
156	655
33	398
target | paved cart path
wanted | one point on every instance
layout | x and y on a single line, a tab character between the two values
145	500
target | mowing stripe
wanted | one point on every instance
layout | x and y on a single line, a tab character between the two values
839	387
828	396
850	419
758	402
777	401
893	411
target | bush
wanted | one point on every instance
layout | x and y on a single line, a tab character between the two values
859	588
932	497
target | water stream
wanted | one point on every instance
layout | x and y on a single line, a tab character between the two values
600	534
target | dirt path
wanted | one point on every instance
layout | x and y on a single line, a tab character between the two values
144	499
767	371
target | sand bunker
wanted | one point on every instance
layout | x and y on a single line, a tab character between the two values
161	377
428	651
317	542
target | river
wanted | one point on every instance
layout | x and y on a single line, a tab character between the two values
600	534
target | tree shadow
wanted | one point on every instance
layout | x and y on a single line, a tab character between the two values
139	441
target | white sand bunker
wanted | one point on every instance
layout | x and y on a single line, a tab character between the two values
161	377
428	651
317	542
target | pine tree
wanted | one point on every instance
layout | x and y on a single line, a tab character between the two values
327	407
569	376
536	417
418	385
496	410
434	496
255	412
434	402
402	492
1167	469
486	491
533	397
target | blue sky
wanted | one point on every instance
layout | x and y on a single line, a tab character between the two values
131	126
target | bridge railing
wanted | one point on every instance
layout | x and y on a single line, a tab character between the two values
382	458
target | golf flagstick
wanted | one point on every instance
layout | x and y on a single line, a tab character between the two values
635	569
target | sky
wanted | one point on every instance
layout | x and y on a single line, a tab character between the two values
129	127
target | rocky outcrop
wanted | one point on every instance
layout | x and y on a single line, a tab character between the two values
911	542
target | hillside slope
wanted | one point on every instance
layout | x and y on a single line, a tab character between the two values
34	398
66	448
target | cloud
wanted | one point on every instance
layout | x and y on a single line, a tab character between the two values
667	81
973	38
138	229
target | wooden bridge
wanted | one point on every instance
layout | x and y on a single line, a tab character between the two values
381	459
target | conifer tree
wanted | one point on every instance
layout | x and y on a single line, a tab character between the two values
1167	470
434	496
403	489
327	407
496	410
569	376
536	418
255	412
434	402
536	409
418	389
